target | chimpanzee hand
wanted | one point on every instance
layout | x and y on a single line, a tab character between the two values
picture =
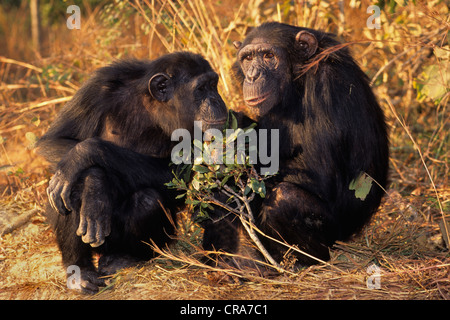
58	192
95	204
94	227
96	208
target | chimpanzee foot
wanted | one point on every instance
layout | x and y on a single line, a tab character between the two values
86	281
91	282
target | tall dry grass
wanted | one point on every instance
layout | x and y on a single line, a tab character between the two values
407	236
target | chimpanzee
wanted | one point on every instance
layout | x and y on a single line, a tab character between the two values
332	133
110	148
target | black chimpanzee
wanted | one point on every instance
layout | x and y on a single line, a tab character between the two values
332	132
110	147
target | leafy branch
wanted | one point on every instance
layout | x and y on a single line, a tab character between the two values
213	174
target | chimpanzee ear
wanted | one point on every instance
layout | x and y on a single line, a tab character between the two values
160	87
237	44
307	42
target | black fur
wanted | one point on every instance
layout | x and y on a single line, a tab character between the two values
331	130
110	149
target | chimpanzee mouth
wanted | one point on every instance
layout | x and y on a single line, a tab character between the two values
255	101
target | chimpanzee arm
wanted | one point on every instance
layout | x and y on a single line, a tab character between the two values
134	169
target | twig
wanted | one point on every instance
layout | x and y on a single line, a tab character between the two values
248	226
220	204
46	103
20	63
18	222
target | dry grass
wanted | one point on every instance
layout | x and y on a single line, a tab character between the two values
406	238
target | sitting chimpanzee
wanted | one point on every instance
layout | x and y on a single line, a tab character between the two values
332	134
110	147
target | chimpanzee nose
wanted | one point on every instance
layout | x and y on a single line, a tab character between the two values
253	74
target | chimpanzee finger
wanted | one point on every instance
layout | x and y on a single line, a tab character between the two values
99	233
100	238
89	236
65	196
82	226
85	238
94	235
52	191
50	198
54	198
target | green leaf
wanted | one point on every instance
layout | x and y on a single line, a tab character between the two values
361	185
206	205
170	184
219	175
250	127
234	123
234	135
262	189
213	185
255	185
193	202
201	216
224	181
200	168
187	174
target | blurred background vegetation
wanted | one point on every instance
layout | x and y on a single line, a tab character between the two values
406	59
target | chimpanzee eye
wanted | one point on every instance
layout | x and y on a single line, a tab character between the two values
248	57
269	55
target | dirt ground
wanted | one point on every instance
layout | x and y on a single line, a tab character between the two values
410	255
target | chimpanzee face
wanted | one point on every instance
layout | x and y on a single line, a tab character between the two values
266	68
189	94
202	91
266	74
